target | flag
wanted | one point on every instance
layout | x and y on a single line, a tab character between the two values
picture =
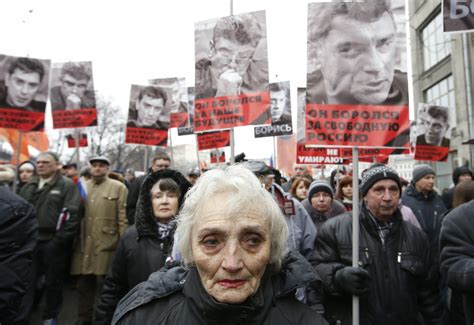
82	187
63	218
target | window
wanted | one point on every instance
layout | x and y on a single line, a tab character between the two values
442	93
436	44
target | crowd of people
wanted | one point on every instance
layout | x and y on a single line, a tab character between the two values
233	245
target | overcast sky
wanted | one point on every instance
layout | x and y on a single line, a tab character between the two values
130	42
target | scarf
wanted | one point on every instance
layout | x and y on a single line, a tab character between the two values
165	229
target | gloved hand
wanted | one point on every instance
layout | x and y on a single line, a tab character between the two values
354	280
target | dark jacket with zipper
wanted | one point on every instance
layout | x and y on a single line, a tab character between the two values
457	255
18	236
60	192
176	296
400	286
140	251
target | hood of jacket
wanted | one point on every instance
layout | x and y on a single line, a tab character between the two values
145	220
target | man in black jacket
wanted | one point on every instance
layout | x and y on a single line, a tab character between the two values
18	236
392	279
56	200
457	254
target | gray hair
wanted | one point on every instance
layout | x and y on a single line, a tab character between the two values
320	15
247	195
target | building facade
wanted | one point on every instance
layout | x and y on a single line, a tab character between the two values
442	74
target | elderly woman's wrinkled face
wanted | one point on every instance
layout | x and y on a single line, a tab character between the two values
230	252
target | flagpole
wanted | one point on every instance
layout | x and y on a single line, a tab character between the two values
355	228
78	152
18	151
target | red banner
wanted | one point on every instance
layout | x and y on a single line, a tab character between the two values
150	137
357	125
315	156
337	156
217	157
178	120
231	111
71	141
75	118
431	153
21	119
213	140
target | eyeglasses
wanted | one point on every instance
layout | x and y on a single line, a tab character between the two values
225	57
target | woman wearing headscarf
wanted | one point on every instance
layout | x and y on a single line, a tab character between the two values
232	239
145	246
26	170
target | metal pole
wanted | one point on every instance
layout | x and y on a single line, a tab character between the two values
145	162
232	147
274	153
355	227
197	152
78	152
18	150
232	140
171	145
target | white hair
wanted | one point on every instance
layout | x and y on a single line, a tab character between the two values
247	195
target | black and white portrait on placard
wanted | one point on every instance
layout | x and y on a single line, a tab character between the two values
24	83
433	126
231	55
357	53
72	86
147	104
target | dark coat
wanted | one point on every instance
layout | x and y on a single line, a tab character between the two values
429	212
133	194
176	296
18	236
140	251
457	254
58	194
337	208
400	286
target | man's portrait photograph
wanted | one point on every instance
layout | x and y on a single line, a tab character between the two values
72	86
24	83
231	56
280	102
147	106
176	92
357	53
433	126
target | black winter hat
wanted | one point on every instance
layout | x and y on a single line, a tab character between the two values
458	171
375	174
320	186
421	171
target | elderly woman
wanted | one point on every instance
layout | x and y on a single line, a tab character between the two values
232	240
145	246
